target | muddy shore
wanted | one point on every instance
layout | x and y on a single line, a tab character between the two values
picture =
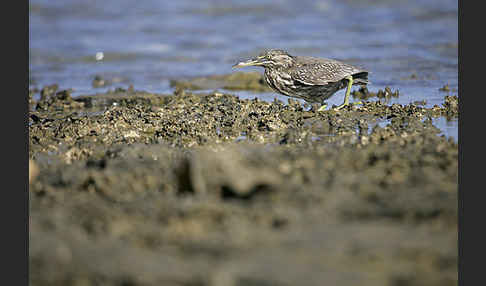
133	188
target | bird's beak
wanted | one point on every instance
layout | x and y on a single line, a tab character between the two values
252	62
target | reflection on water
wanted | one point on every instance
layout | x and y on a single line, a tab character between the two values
448	127
407	45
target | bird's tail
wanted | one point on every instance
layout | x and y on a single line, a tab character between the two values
361	78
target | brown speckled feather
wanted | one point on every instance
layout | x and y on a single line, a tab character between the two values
309	78
321	71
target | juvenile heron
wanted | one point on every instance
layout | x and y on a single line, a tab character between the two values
308	78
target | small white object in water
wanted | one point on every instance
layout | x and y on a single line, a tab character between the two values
99	56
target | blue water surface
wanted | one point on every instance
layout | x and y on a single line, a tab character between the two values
410	45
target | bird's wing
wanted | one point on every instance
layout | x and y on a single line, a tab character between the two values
320	71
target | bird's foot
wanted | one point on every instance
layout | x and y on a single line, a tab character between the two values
339	107
323	107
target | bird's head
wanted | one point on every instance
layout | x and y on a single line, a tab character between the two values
269	59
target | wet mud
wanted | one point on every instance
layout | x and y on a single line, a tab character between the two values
252	81
133	188
364	93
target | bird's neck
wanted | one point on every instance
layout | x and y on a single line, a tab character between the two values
280	66
275	68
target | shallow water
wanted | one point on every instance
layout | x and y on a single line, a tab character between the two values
411	46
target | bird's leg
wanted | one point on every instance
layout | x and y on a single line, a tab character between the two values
348	91
323	107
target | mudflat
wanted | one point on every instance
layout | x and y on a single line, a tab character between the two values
133	188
